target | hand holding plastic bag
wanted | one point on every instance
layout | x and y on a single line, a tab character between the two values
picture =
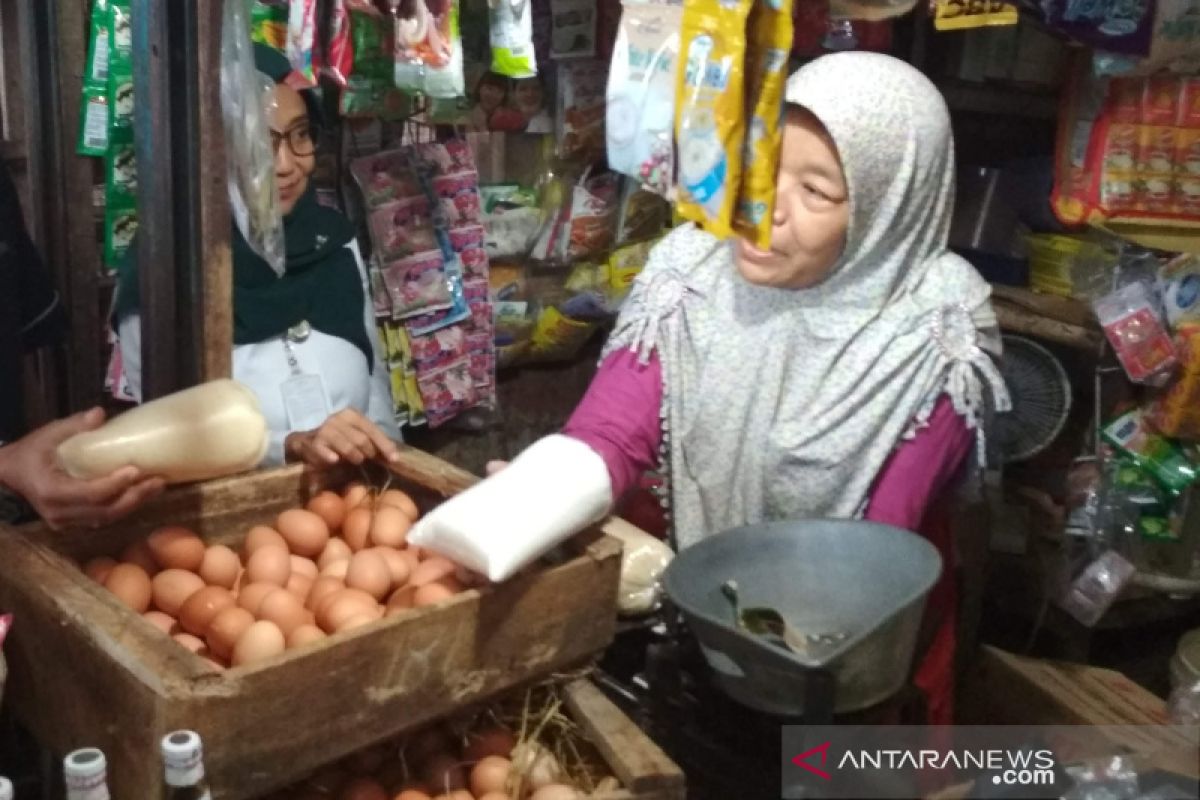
250	159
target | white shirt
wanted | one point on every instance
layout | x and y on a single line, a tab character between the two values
263	367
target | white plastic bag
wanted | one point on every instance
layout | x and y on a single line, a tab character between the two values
250	161
643	561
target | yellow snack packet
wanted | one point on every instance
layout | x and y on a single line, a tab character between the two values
954	15
709	111
770	35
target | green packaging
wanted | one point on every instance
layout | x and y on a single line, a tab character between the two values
120	70
1160	457
269	23
93	113
370	89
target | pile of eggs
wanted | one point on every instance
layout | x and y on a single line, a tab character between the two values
338	564
431	766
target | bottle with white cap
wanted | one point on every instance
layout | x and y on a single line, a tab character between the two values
86	774
183	758
6	790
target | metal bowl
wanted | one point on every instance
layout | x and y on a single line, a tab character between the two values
866	583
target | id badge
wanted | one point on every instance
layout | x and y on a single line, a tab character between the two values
304	401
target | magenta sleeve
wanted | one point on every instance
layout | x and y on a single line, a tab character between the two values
920	469
618	417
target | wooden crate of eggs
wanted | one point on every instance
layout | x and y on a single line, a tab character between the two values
284	619
561	740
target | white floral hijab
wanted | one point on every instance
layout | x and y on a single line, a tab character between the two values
785	404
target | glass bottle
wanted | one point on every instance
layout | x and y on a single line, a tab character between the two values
86	775
183	760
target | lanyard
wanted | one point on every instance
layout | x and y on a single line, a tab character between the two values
297	333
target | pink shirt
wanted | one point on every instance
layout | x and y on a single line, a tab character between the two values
619	419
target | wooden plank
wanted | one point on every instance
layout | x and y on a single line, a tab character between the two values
1064	309
1015	319
216	336
641	766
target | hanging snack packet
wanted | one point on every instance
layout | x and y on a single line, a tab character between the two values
458	197
302	39
340	53
93	117
640	123
120	70
709	112
402	228
447	392
1177	412
1179	282
385	177
1131	322
1132	434
417	284
439	349
954	15
581	111
429	57
573	29
643	213
593	218
511	31
766	73
510	218
371	87
269	23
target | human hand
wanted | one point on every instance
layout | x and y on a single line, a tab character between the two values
345	436
29	467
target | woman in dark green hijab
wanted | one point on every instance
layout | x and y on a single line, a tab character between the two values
304	342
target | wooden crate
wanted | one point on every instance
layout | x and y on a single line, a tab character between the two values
85	671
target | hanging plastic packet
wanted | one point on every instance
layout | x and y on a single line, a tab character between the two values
417	284
1177	412
120	161
1117	26
402	228
429	57
302	39
510	218
770	35
956	15
437	350
709	112
511	32
447	392
93	117
468	244
581	112
1179	284
250	159
1091	594
269	23
1131	322
593	218
573	29
371	87
120	70
1132	434
385	177
640	122
643	214
340	48
458	197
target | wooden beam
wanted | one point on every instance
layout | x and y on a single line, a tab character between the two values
216	337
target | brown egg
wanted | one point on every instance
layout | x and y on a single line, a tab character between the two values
98	568
432	594
261	641
329	507
304	566
432	569
401	599
354	495
397	564
490	775
460	794
444	773
259	536
282	608
409	554
390	527
556	791
494	796
336	569
299	586
357	621
172	587
226	628
322	587
192	643
131	585
336	550
269	564
339	607
414	794
164	622
139	553
251	597
495	741
305	532
369	571
220	566
399	500
200	609
304	634
174	547
362	789
356	530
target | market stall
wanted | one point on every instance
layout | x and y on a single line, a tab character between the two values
501	174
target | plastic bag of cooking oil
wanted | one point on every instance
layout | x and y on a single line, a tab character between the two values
770	35
709	112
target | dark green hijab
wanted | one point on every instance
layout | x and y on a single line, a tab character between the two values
321	284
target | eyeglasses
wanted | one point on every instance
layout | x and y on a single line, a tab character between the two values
301	140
